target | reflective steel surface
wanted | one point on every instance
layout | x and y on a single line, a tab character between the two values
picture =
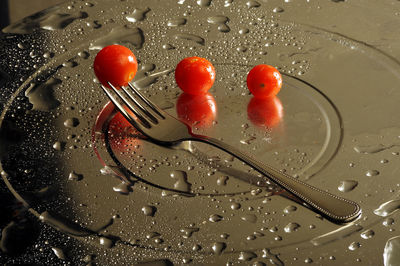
81	186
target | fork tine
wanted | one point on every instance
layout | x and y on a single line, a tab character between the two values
134	104
139	105
147	101
121	108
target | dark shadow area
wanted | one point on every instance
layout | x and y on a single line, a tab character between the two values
4	16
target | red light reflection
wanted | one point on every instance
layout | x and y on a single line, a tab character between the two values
123	136
197	110
266	112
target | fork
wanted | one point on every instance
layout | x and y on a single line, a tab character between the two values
164	129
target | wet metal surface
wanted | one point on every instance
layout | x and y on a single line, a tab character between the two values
81	186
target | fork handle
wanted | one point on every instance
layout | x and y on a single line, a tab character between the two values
334	208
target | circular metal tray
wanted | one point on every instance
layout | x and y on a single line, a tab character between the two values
88	188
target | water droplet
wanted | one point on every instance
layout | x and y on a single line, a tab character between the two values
354	245
64	225
387	208
84	54
74	176
144	77
59	146
181	182
367	234
196	247
273	229
218	247
168	46
308	260
258	234
88	258
251	237
138	15
241	49
187	260
152	235
59	21
291	227
289	209
347	185
272	258
122	188
372	173
244	31
71	122
149	210
204	3
235	206
190	37
221	21
301	72
253	4
33	54
106	242
114	171
228	3
176	22
70	63
21	46
391	252
59	253
248	140
41	96
247	255
221	181
371	149
120	35
278	9
95	24
251	218
388	222
188	231
215	218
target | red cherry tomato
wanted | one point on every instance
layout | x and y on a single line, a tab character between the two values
265	112
115	64
264	81
197	110
195	75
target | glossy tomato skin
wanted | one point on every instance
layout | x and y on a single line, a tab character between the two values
197	110
264	81
116	64
265	112
195	75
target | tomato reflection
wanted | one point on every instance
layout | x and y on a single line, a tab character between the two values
123	137
197	110
266	112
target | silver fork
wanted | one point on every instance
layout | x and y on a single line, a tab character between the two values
164	129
